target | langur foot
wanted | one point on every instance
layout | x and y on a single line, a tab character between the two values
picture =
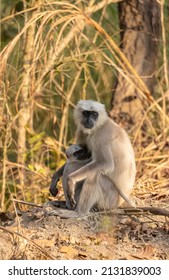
62	213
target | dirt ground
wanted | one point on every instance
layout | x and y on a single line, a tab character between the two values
34	234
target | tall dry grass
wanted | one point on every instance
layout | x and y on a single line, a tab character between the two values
75	55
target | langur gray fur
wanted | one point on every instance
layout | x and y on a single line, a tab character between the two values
109	177
77	156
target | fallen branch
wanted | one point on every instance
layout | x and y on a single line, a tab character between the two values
152	210
122	211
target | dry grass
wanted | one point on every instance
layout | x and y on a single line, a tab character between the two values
73	57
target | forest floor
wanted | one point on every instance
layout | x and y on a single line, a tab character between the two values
123	235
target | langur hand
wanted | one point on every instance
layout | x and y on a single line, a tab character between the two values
71	191
53	187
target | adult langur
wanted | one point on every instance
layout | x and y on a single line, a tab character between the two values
109	177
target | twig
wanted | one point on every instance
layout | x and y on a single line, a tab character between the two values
31	241
28	203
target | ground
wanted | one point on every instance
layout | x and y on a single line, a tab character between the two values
122	235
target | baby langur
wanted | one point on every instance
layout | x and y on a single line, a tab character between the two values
109	177
77	156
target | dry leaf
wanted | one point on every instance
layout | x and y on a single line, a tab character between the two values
83	254
147	253
70	251
44	242
63	238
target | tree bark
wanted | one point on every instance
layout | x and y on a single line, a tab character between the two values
140	30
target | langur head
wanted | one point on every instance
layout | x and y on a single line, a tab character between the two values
89	115
77	152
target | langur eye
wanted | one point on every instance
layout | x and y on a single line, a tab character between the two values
85	113
95	114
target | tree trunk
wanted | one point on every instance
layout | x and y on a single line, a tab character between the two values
140	29
25	103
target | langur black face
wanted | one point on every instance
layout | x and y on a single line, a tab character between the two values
89	118
81	155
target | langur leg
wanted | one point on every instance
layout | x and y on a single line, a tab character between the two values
109	197
98	192
112	196
89	196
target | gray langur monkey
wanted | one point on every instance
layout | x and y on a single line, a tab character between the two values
77	156
109	177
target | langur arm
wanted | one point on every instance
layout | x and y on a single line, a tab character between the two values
103	165
55	178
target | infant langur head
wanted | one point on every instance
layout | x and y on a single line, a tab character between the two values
89	115
77	152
